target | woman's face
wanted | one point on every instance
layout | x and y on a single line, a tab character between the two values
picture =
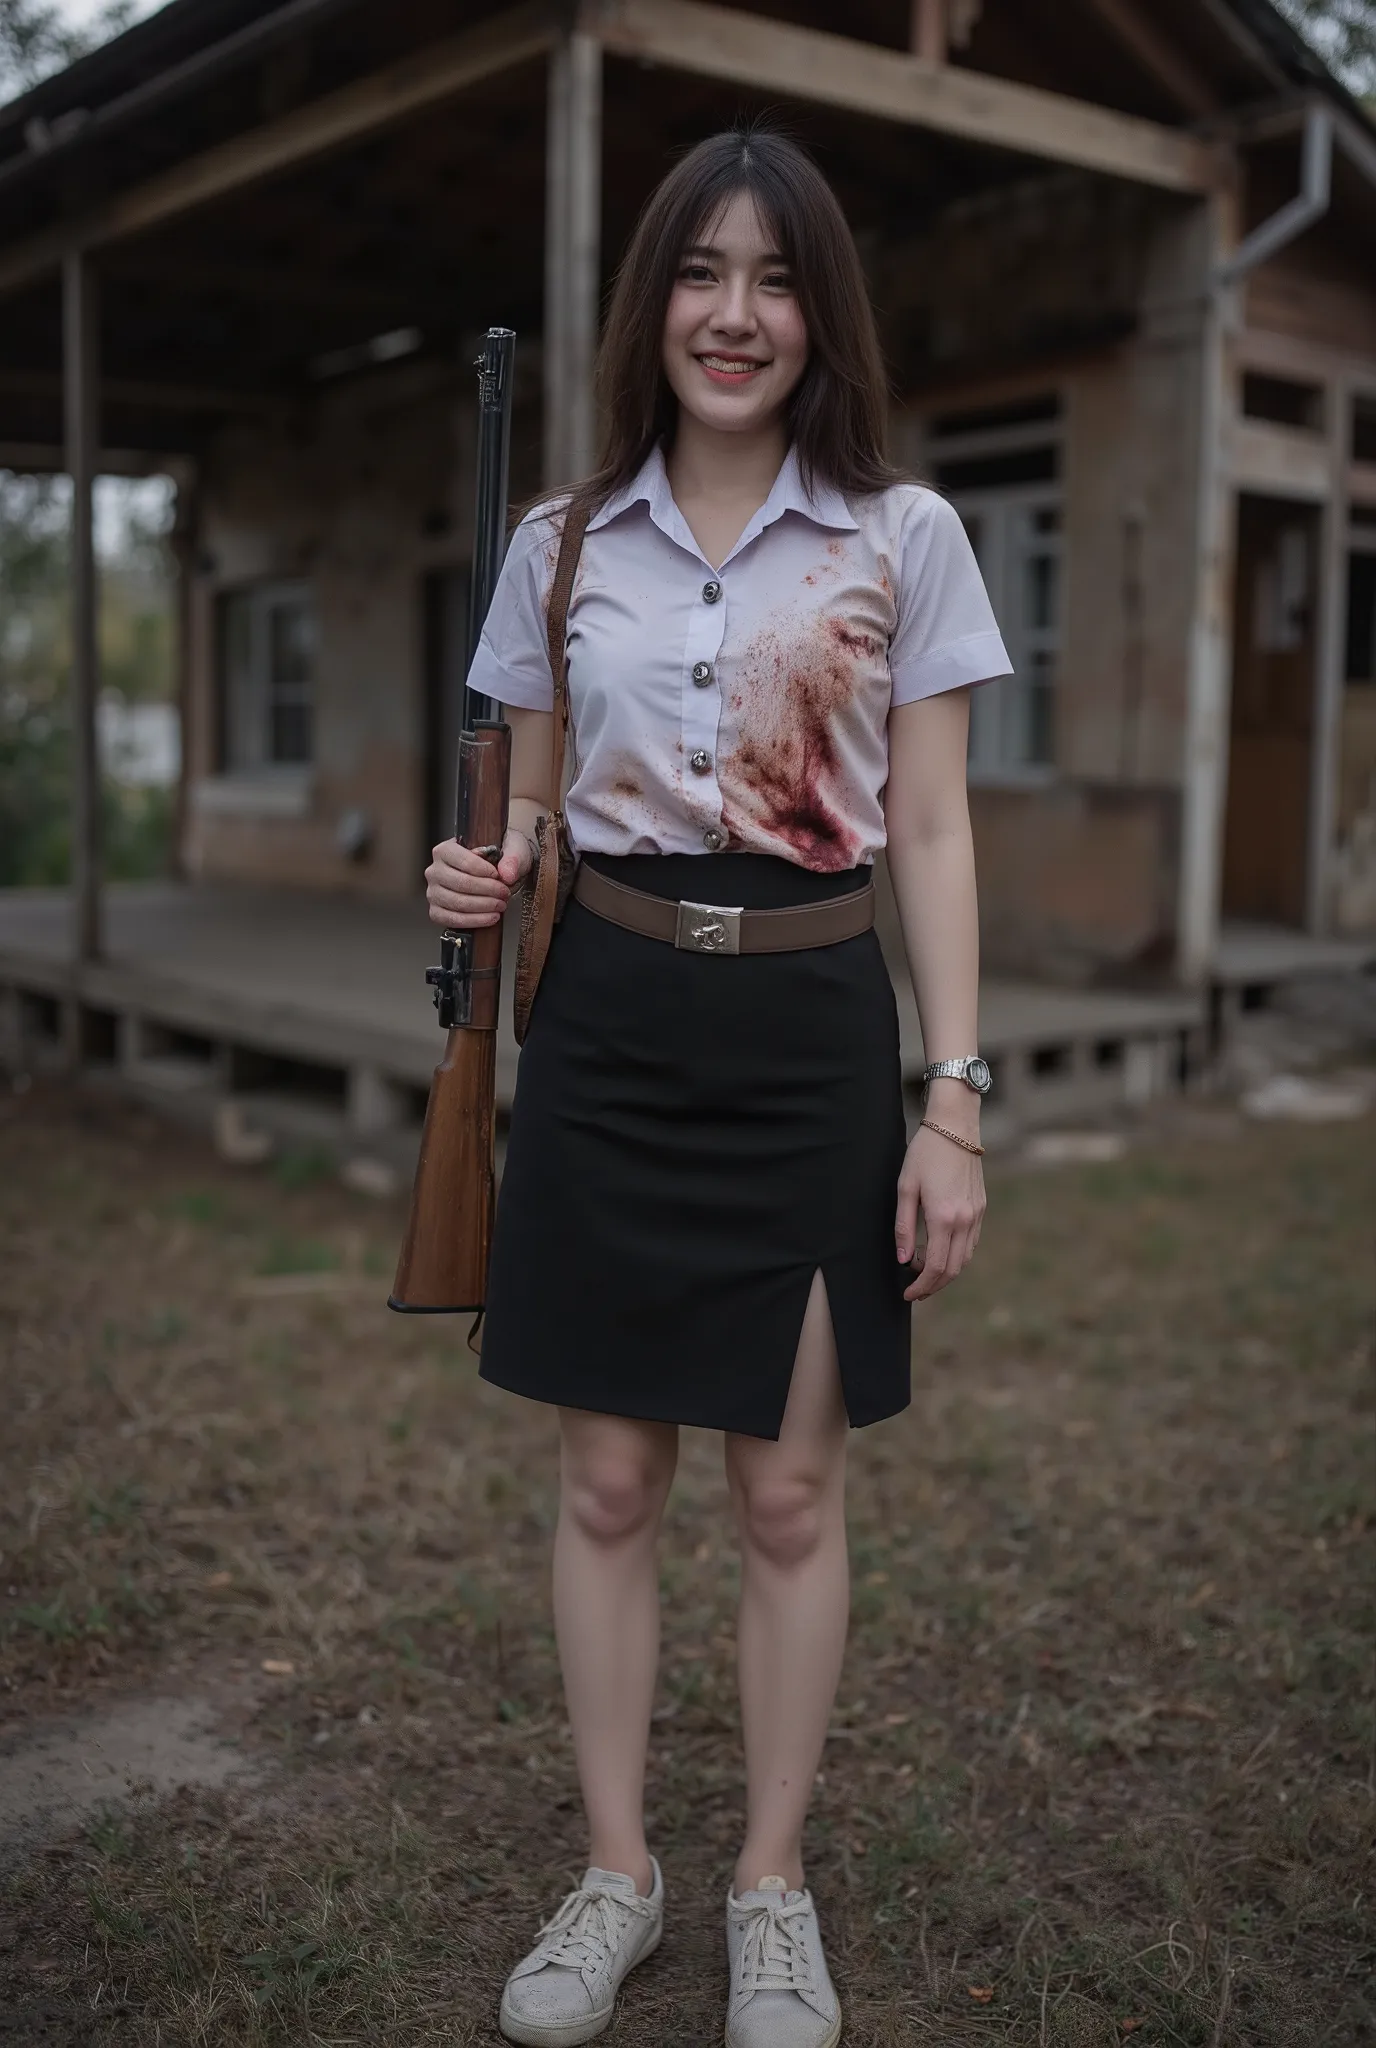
734	340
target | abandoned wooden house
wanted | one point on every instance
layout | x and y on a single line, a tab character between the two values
1124	259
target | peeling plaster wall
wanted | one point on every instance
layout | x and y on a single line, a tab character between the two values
1078	874
359	496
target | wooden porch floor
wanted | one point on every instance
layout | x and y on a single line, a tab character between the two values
207	989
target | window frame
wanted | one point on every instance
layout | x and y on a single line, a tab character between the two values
1005	702
251	711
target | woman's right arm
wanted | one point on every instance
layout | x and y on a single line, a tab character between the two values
462	889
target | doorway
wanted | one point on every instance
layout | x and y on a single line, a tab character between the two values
1266	835
444	642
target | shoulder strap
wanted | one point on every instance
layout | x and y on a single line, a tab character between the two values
565	569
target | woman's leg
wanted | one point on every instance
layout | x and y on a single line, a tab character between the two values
615	1475
789	1499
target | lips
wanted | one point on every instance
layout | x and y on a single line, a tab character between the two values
724	367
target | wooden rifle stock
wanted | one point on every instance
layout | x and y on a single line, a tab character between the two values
443	1261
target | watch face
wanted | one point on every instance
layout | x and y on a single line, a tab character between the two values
978	1075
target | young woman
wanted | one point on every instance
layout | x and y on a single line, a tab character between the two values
709	1210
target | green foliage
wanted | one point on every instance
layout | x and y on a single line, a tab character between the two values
37	39
136	655
1343	32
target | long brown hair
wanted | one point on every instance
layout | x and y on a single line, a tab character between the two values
836	413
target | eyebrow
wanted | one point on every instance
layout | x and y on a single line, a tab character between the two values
702	249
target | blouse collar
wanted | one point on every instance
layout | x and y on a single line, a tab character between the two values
823	505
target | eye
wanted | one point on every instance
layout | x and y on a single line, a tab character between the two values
777	281
696	273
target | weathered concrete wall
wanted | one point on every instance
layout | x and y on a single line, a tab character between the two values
1077	881
1078	874
359	495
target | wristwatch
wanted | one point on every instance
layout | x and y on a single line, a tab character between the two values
973	1071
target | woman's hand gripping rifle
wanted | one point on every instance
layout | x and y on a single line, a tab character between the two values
443	1261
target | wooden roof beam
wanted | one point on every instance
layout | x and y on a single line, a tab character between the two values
1158	56
421	79
838	71
152	396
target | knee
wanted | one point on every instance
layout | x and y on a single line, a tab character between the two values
785	1519
614	1498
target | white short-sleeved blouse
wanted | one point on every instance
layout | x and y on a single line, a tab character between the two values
745	706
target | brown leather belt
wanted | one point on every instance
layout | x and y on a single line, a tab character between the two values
714	928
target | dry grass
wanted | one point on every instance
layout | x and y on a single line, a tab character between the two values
1103	1763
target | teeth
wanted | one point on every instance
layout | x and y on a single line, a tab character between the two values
732	369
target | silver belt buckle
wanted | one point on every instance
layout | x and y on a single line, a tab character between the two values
708	928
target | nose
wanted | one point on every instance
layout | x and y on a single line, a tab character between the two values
734	311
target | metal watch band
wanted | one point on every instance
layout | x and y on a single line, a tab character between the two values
972	1070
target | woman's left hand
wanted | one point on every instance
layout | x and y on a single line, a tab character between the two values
947	1184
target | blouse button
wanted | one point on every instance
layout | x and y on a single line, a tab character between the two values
711	592
712	839
700	762
702	673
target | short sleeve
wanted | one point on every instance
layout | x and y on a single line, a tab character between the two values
947	634
512	661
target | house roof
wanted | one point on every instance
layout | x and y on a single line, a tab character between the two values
187	29
431	223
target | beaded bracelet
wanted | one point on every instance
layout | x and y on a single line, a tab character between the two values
966	1144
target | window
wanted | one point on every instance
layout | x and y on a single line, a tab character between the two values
1363	436
1282	401
266	644
1017	541
1360	665
1001	469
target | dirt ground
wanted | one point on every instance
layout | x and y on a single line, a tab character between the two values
279	1711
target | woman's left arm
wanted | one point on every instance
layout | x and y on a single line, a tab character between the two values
932	867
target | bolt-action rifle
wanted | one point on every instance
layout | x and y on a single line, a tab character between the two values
443	1262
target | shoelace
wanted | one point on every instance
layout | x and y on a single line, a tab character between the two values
589	1926
773	1955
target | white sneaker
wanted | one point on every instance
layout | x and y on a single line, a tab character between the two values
781	1993
566	1988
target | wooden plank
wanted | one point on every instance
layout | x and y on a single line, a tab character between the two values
422	79
573	254
808	64
1309	361
1282	462
133	391
81	372
1157	55
47	458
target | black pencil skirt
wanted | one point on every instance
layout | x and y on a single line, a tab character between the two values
692	1138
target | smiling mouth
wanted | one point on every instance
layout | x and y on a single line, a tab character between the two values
731	366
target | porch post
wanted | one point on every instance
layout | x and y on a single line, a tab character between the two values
927	30
573	219
81	398
1204	778
1330	584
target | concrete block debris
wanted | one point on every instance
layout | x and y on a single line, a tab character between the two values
371	1177
235	1141
1074	1148
1313	1098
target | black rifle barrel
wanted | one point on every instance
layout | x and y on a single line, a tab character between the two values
494	368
